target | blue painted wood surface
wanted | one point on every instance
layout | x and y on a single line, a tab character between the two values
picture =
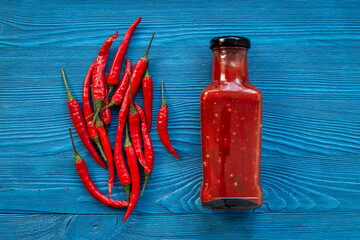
305	59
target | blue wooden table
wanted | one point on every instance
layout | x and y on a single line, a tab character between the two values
305	58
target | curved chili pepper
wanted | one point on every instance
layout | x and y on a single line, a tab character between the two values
148	146
122	172
147	87
104	138
88	111
106	113
138	72
107	147
119	93
89	184
134	122
98	74
162	122
79	124
135	175
115	69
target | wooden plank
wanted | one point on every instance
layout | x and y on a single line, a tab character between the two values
290	184
325	225
305	59
298	118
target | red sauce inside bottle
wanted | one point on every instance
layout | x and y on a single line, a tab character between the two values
231	120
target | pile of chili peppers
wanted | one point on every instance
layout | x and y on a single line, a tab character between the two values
93	129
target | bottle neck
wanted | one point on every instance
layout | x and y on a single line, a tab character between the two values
230	65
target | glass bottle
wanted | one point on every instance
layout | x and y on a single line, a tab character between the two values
231	121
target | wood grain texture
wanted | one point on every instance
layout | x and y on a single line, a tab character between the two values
304	58
181	226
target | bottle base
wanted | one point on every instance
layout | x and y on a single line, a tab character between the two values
230	203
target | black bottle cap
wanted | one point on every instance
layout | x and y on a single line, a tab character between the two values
232	41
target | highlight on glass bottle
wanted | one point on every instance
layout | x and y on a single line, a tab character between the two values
231	121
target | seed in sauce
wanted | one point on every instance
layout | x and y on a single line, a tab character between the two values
235	184
207	155
216	115
231	174
229	109
207	137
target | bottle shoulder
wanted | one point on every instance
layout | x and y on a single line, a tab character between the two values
231	88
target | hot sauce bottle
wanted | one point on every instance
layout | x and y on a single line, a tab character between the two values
231	120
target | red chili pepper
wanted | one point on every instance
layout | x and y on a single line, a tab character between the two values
115	69
89	184
162	122
138	72
104	138
107	147
98	74
135	175
147	87
118	95
122	172
106	113
134	122
79	124
148	146
88	111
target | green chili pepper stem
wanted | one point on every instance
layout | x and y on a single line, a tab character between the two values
132	106
147	176
147	69
163	104
78	158
70	96
111	87
145	57
127	190
97	106
96	140
97	119
111	104
127	139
